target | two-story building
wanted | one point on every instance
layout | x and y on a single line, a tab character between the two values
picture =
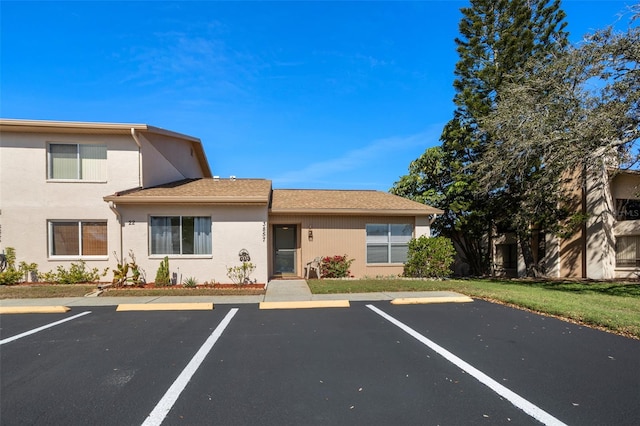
606	246
73	191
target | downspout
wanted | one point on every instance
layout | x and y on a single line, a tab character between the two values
137	141
113	208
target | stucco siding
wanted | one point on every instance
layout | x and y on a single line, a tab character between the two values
166	160
339	235
233	229
28	199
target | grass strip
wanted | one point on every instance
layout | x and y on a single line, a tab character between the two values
41	291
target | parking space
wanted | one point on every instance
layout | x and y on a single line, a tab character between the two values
314	366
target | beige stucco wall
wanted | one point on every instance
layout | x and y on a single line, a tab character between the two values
626	185
167	159
601	257
340	235
233	229
28	199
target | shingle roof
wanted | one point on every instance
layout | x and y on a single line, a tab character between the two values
345	202
283	201
200	191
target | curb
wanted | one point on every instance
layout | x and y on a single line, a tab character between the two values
130	307
34	309
427	300
306	304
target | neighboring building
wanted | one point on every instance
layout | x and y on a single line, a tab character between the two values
607	246
73	191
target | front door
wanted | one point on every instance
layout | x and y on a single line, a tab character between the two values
284	247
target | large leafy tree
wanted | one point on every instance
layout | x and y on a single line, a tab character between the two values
497	38
564	121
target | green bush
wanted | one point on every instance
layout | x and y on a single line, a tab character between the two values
11	275
163	277
429	257
77	273
336	266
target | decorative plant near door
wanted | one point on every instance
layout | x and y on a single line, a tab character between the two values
240	274
336	266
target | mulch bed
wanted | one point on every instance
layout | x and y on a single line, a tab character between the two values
181	290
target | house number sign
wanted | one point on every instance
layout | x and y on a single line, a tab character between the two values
244	256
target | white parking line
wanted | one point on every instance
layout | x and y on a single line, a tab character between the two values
157	416
526	406
44	327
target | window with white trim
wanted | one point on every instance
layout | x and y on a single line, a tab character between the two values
388	242
628	251
77	162
180	235
77	238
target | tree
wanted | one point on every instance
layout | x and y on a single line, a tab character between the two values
561	121
497	38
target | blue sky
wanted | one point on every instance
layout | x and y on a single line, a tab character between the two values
335	95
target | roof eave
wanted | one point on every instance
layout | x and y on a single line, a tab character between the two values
357	212
187	200
19	125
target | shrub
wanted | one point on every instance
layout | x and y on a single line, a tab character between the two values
336	266
77	273
240	274
190	282
429	257
10	275
162	276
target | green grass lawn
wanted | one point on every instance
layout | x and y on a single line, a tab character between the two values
613	306
40	291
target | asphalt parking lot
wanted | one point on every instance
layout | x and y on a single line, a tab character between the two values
371	363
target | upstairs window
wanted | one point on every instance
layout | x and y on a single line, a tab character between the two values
627	209
180	235
77	162
388	243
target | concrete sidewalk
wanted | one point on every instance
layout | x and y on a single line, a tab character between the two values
277	291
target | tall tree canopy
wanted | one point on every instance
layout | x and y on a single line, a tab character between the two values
497	38
563	121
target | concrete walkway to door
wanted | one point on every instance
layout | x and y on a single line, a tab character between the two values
287	290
